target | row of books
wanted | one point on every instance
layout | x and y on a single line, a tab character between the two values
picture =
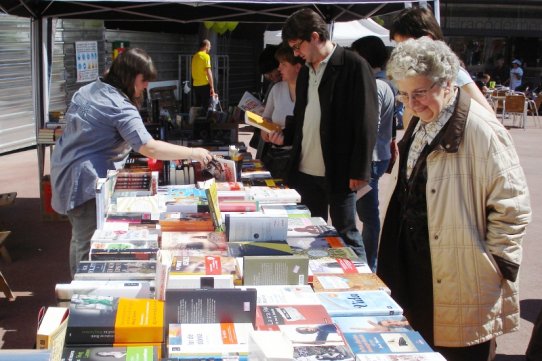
216	284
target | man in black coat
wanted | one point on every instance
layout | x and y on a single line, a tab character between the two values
333	129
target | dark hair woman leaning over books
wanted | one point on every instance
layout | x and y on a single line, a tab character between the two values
103	126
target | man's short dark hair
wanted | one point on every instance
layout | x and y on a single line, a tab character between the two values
372	48
301	25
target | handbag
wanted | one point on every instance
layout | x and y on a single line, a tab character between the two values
277	161
215	115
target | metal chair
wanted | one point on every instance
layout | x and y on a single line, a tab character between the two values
532	109
515	106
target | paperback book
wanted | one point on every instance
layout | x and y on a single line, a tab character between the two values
202	272
359	303
211	305
307	243
128	235
415	356
310	227
275	270
348	282
313	334
267	195
186	222
128	289
286	295
107	320
386	342
127	353
326	353
128	250
52	330
116	270
269	317
270	248
212	340
255	226
288	210
396	323
195	243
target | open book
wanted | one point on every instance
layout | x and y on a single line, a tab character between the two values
260	123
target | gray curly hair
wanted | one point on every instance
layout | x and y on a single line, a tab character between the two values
423	56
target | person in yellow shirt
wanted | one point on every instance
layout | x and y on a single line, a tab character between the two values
202	76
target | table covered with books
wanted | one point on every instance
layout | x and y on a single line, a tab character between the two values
187	264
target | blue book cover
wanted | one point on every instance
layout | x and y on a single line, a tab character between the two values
359	303
395	323
386	342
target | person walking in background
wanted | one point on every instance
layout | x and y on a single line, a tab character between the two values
416	22
451	242
280	104
372	49
102	126
202	75
333	129
516	75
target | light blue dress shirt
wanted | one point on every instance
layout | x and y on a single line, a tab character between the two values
102	127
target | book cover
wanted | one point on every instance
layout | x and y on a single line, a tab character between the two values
127	250
269	346
274	195
270	248
128	289
222	169
275	270
257	121
396	323
227	305
359	303
208	340
202	272
326	353
386	342
238	205
348	282
52	329
186	222
25	355
310	227
415	356
194	243
105	319
251	103
138	204
307	243
255	226
116	270
286	295
268	182
288	210
269	317
312	334
129	235
126	353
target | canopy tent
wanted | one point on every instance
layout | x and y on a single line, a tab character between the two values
343	34
187	11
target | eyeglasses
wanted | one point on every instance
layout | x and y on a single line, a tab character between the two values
297	45
418	95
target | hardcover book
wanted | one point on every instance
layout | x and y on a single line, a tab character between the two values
127	353
396	323
208	340
270	248
348	282
211	305
115	270
275	270
106	320
359	303
310	227
386	342
255	226
269	317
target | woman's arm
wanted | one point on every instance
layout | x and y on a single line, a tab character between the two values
158	149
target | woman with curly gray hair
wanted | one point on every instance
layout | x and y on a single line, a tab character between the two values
451	242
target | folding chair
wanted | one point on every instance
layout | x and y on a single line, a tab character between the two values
515	106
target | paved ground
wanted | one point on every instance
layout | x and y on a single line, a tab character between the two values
19	173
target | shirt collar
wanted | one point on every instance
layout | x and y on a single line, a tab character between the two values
433	128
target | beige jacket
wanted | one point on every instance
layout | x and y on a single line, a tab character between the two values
478	202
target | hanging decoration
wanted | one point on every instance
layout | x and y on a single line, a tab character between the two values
220	27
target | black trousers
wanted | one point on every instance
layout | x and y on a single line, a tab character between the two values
202	94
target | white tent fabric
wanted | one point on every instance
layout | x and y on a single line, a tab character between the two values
343	34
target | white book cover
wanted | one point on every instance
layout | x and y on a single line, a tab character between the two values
416	356
128	289
312	334
269	346
256	227
309	227
274	195
251	103
359	303
286	295
124	235
213	339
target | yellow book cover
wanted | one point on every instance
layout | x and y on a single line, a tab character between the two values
257	121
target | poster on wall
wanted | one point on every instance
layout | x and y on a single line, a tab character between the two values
86	54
